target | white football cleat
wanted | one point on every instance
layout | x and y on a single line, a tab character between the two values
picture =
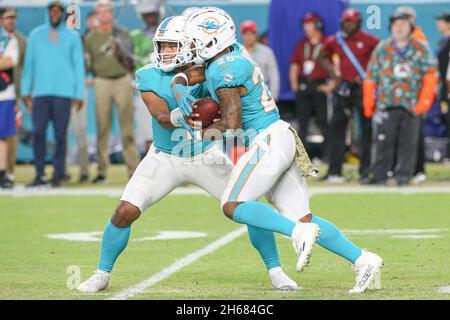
303	238
368	271
97	282
280	280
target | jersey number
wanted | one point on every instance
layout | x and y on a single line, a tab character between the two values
266	96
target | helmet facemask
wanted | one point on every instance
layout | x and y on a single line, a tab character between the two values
169	46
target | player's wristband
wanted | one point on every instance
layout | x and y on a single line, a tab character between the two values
180	75
174	116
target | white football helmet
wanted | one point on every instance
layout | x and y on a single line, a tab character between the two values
171	30
188	11
210	30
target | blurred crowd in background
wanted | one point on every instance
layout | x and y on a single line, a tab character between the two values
356	95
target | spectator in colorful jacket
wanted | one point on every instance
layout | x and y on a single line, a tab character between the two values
419	171
400	86
52	84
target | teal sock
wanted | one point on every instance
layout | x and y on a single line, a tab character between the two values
113	242
264	242
333	240
260	215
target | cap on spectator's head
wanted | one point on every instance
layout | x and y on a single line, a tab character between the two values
405	10
351	14
315	18
444	16
9	12
397	16
249	25
400	15
148	6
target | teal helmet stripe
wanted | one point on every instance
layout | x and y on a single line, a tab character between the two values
163	27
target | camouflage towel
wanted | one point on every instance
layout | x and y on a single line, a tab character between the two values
302	160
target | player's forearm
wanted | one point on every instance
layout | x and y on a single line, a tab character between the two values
230	112
164	120
190	76
195	74
160	111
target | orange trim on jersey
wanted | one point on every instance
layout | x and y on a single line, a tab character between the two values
250	173
242	171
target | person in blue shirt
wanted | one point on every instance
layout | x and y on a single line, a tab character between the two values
273	165
172	160
52	83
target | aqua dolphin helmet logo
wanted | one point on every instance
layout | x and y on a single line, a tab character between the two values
164	26
210	25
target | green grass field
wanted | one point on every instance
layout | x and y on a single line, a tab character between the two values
33	266
438	175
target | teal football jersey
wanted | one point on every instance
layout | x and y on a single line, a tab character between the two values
169	140
236	69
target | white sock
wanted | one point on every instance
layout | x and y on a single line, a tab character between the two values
275	270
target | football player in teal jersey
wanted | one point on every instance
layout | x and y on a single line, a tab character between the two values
172	160
269	167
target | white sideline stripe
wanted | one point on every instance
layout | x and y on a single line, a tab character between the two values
417	236
392	231
178	265
109	192
364	189
444	289
117	192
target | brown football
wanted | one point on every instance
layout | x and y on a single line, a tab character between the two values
208	110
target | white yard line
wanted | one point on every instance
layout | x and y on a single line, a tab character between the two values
178	265
107	191
364	189
116	192
445	289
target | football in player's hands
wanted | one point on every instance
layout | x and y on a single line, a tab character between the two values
207	110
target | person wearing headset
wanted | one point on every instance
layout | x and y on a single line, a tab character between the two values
308	78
